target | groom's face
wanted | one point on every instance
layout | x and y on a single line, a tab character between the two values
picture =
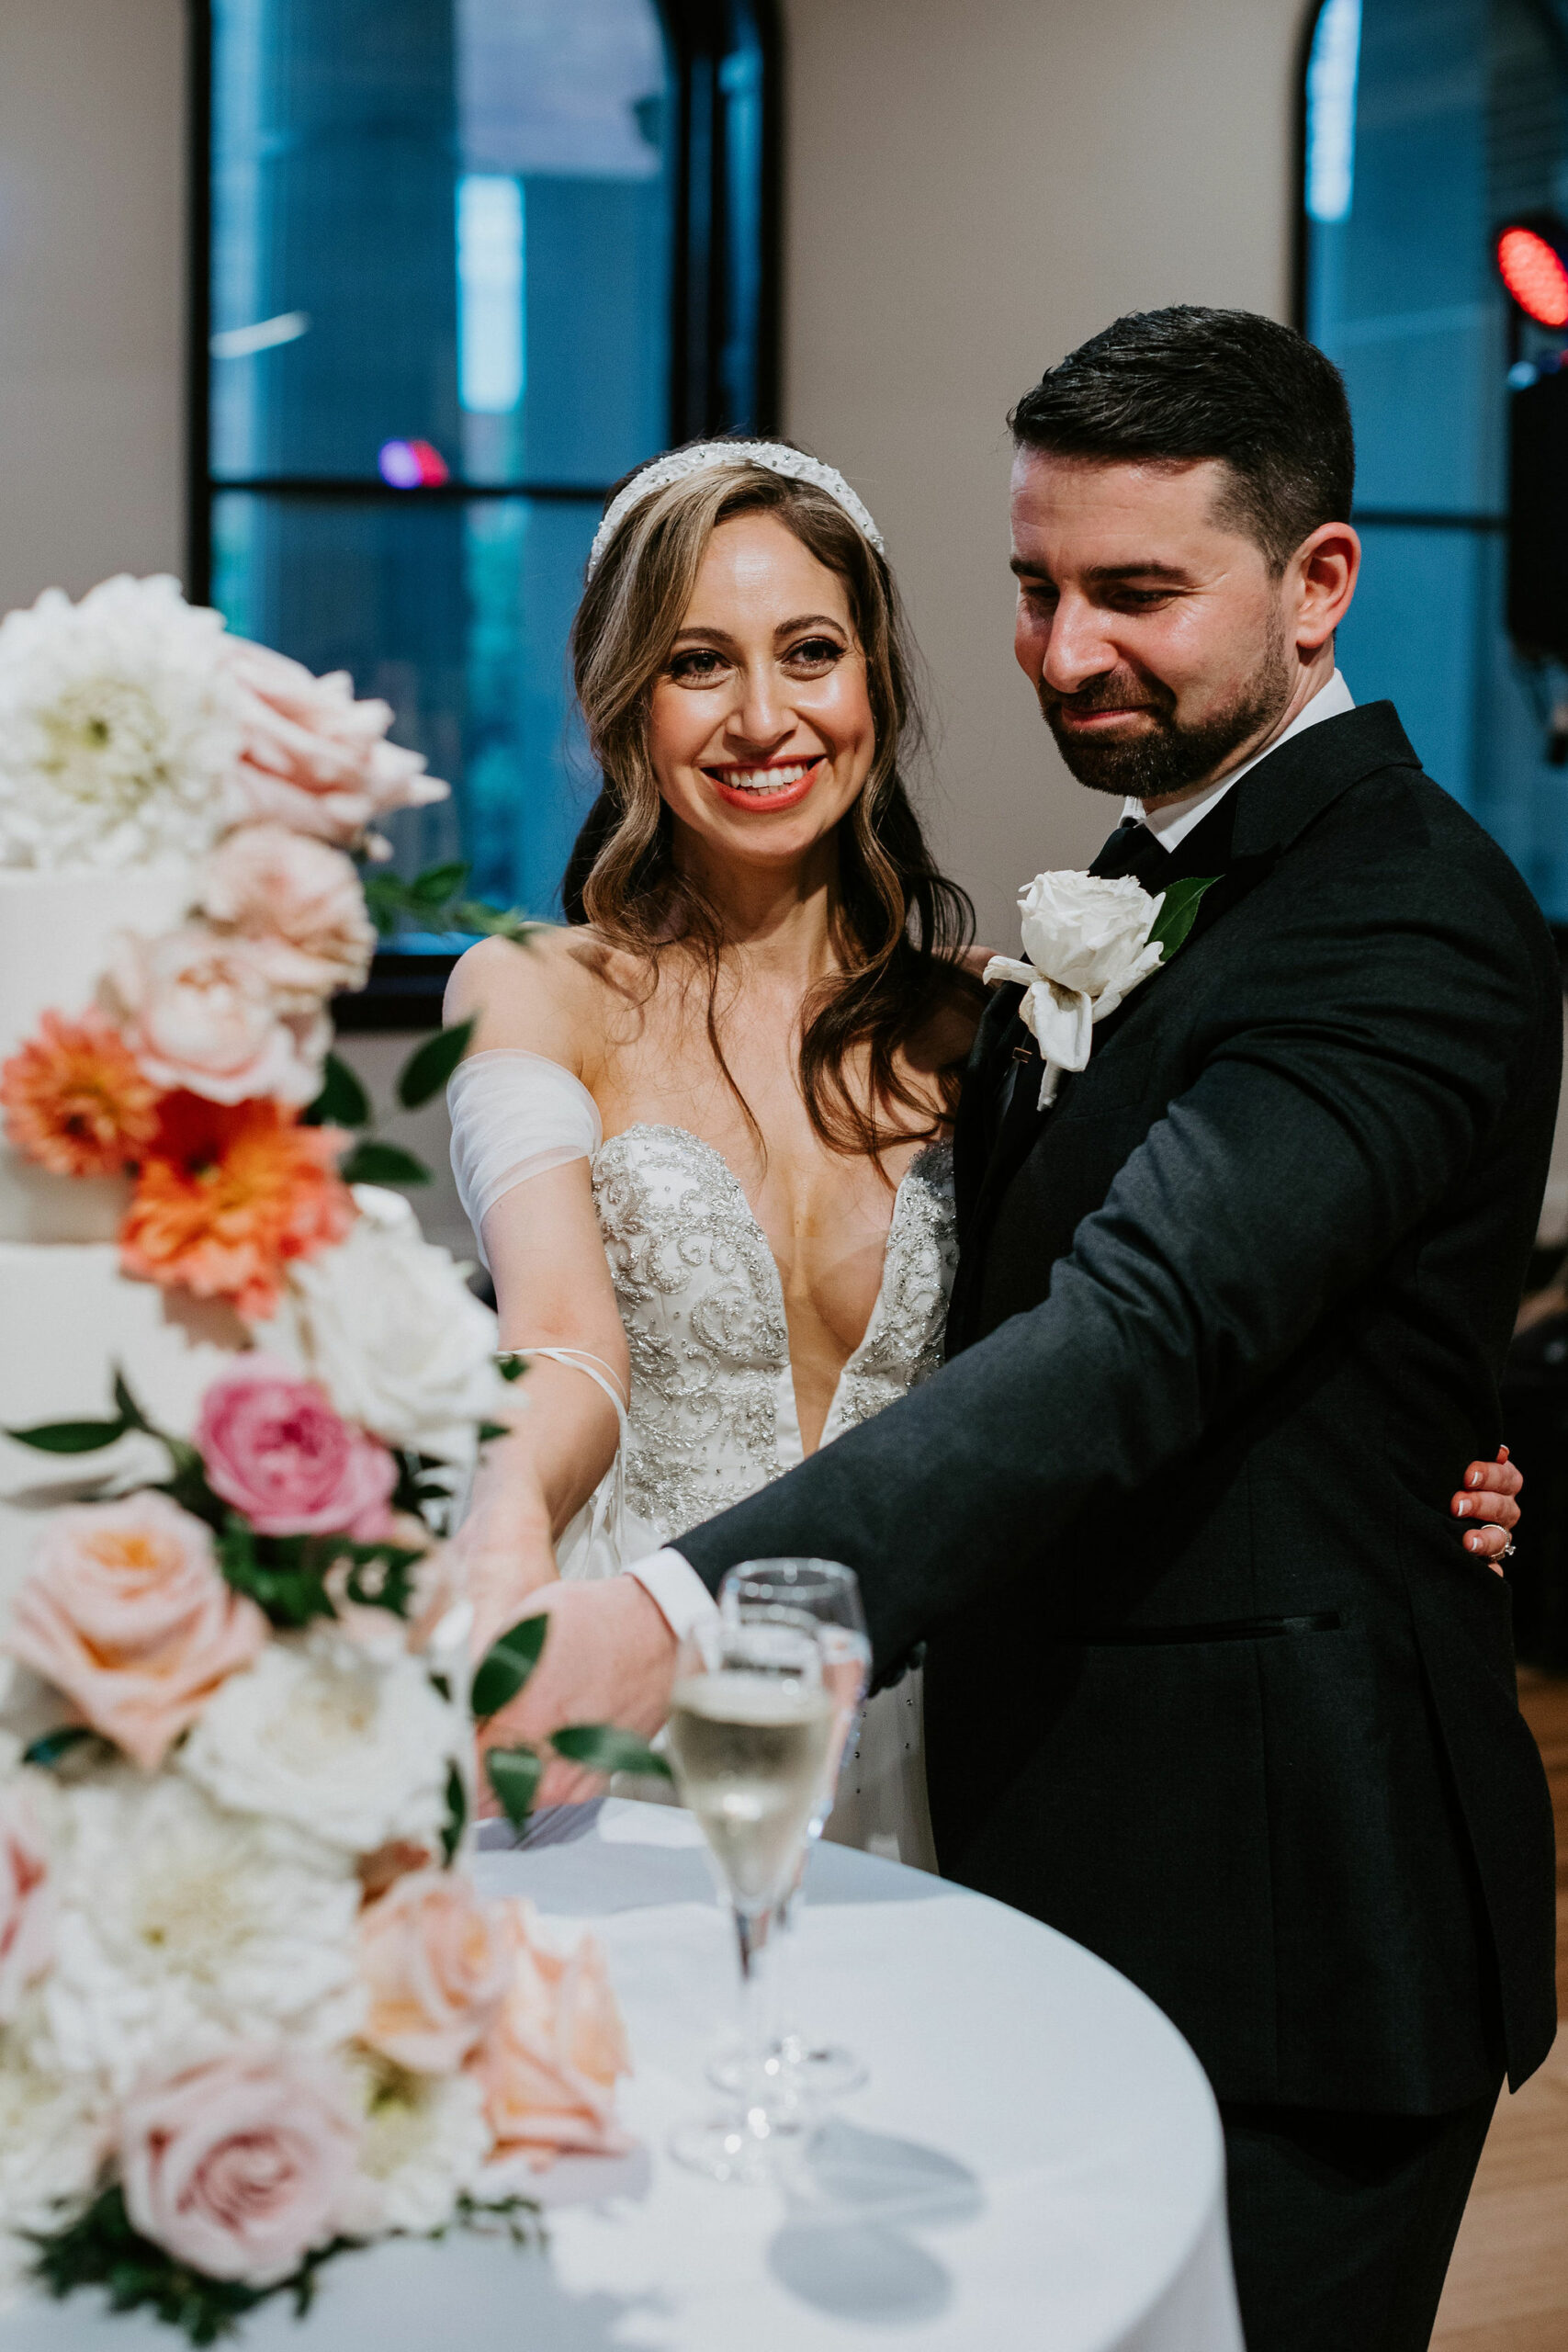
1152	630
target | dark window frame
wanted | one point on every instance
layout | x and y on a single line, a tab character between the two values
405	990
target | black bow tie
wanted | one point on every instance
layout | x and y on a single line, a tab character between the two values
1134	849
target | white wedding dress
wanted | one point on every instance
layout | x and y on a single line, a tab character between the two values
712	1413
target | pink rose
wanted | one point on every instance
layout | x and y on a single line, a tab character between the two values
241	2166
550	2065
436	1963
27	1901
311	757
271	1445
126	1612
199	1011
298	903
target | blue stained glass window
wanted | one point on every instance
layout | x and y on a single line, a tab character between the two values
455	252
1429	122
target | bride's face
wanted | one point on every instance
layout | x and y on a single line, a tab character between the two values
761	729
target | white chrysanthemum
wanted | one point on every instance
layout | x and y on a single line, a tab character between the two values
53	2136
388	1325
354	1747
426	2142
118	727
182	1928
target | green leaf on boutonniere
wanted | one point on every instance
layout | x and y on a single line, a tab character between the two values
1179	912
514	1775
506	1666
605	1748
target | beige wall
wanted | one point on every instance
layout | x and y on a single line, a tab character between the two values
92	285
972	190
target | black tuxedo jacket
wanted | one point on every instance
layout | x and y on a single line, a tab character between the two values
1211	1684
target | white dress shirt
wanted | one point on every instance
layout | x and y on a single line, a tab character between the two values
678	1593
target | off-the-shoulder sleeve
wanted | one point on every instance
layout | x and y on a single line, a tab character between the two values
514	1114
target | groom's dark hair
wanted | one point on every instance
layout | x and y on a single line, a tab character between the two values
1188	383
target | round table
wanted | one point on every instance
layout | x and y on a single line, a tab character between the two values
1035	2159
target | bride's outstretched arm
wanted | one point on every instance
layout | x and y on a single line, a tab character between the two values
553	1290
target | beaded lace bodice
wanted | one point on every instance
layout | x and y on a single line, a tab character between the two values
713	1412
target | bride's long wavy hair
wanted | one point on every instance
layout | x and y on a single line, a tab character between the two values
899	926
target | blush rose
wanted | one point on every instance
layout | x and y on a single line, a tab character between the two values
271	1445
242	2166
126	1613
299	904
550	2062
435	1962
199	1011
313	758
27	1901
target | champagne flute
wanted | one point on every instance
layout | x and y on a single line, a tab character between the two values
799	2071
751	1727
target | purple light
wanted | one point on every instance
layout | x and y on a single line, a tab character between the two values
398	464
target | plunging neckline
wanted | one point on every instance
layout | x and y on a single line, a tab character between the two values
791	1446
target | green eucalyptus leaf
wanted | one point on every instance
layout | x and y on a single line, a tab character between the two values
343	1102
430	1066
383	1163
605	1748
507	1664
436	885
457	1815
514	1775
1179	912
69	1437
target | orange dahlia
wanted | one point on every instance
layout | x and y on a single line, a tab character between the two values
228	1195
75	1099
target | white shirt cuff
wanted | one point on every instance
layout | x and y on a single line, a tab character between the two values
679	1594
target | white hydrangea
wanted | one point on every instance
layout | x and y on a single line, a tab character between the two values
426	2141
354	1747
54	2131
118	727
388	1325
183	1928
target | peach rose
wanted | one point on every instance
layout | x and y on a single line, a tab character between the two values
125	1612
27	1900
199	1011
311	757
300	905
241	2166
436	1962
550	2065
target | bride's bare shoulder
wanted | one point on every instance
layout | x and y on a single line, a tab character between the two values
561	991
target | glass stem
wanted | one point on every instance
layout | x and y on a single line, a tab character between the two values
752	1933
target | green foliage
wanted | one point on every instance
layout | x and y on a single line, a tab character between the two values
286	1575
507	1664
343	1102
374	1162
434	901
605	1748
514	1774
457	1812
430	1065
54	1746
1179	912
69	1437
512	1364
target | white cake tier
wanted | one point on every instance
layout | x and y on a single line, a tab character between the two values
68	1317
55	931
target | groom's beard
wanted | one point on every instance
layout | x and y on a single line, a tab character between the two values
1167	756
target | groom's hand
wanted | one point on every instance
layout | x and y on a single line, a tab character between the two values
609	1658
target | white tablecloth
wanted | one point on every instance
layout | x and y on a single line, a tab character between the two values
1037	2159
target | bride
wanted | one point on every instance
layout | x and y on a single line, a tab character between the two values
702	1130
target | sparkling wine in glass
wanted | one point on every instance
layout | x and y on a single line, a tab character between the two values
802	2069
751	1727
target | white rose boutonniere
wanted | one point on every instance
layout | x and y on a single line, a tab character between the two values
1087	943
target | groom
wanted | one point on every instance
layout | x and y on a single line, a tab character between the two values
1208	1686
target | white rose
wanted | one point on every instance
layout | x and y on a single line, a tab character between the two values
389	1328
181	1927
55	2135
1087	945
354	1747
425	2141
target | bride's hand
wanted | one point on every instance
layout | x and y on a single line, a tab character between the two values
506	1554
1489	1488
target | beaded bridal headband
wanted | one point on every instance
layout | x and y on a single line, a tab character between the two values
775	456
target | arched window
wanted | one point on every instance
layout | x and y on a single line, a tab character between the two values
1427	124
460	264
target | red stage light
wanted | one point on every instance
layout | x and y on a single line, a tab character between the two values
1535	275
